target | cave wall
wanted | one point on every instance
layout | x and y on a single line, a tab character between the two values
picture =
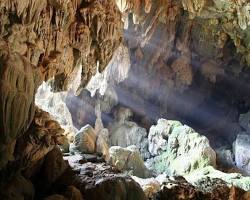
44	40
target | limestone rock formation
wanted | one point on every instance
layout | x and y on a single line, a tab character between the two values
242	154
85	140
208	175
157	137
43	135
41	40
124	132
18	82
102	143
186	150
54	103
128	159
225	157
53	167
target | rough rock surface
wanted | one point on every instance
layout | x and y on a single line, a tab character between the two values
186	150
242	152
100	181
43	135
43	39
124	132
208	175
53	167
54	103
225	157
157	137
163	187
85	140
128	160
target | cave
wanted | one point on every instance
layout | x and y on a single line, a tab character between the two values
124	100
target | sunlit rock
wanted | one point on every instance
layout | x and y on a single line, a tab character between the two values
242	152
124	132
150	186
186	151
85	140
157	137
102	143
129	160
54	103
115	72
200	175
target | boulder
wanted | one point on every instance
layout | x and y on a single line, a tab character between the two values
102	143
53	167
85	140
125	133
242	152
129	160
157	137
225	157
150	186
186	151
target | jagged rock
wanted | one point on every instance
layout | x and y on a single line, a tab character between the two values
186	151
165	187
43	136
85	140
102	143
125	133
157	137
115	72
150	186
128	159
242	154
65	145
100	181
53	167
225	157
54	103
208	175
